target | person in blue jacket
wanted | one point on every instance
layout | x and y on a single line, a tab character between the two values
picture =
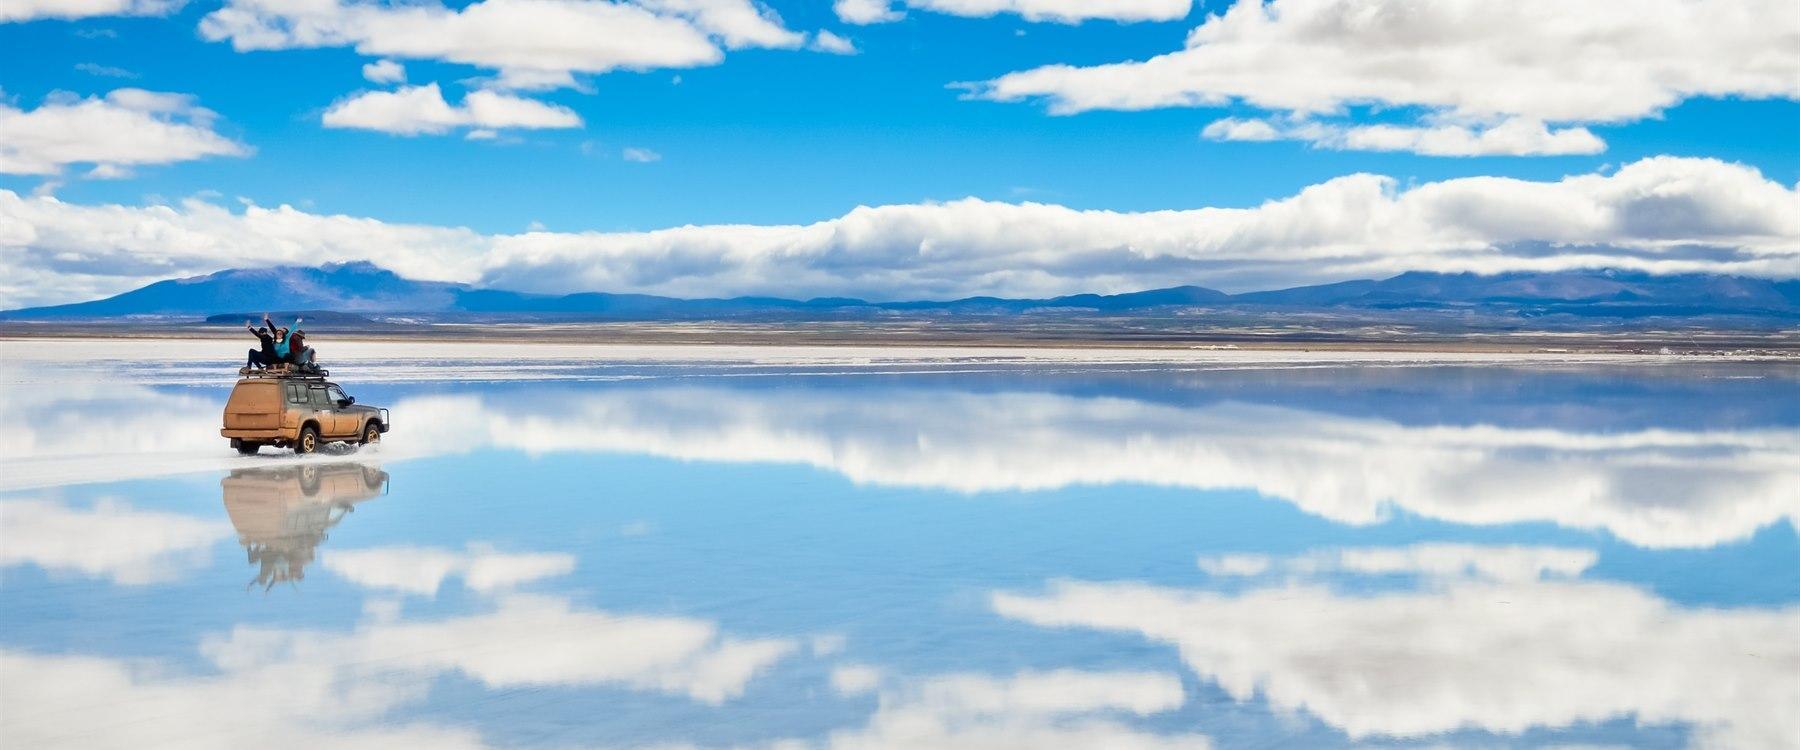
290	346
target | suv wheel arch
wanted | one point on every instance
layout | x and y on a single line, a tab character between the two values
300	437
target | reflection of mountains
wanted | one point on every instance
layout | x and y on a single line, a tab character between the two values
282	513
1653	485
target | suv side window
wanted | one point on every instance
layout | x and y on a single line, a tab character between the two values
336	393
319	399
296	393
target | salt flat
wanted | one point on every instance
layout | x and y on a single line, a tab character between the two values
894	547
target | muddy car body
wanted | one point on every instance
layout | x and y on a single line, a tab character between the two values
298	412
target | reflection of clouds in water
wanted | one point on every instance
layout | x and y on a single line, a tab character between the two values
91	702
1055	709
1652	487
323	689
1466	649
109	539
1504	563
85	431
282	514
80	431
64	419
530	641
421	570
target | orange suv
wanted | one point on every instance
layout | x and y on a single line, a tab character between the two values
276	408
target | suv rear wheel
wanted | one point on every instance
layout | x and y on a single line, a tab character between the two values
246	447
309	440
371	432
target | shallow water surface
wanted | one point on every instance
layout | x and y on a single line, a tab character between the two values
586	548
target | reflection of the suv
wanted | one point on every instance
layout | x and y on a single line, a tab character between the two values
281	513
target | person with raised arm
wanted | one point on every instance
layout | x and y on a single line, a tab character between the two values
264	356
290	345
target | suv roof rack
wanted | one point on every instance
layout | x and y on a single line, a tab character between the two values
283	373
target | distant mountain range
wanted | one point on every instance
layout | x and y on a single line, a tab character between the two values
354	292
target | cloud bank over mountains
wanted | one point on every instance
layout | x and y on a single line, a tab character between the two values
1660	215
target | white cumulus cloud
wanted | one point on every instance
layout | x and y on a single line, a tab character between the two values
415	110
825	41
864	12
384	71
1544	61
13	11
1059	11
529	43
125	128
1512	137
1659	215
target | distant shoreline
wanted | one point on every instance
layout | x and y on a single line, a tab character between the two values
1753	344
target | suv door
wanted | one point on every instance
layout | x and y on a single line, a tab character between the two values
324	409
346	419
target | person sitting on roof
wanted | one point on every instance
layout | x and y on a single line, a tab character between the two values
263	357
290	347
301	354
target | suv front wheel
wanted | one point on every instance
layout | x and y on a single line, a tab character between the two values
371	432
309	440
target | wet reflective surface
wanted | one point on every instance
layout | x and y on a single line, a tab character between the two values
628	548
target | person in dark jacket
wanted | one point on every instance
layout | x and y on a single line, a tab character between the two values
264	355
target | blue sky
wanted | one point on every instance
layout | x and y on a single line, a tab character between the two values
777	132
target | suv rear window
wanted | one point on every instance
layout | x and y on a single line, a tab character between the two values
319	398
296	393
